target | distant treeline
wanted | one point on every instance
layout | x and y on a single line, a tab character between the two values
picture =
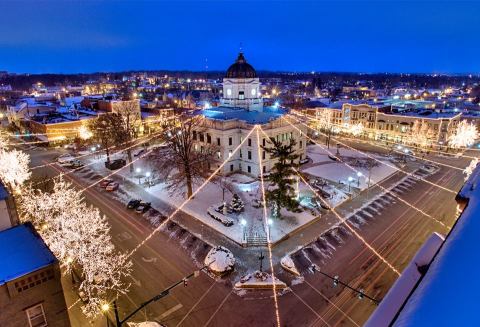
324	79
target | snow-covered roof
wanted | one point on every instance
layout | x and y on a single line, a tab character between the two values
448	293
22	251
249	116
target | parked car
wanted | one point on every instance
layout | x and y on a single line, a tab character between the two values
143	207
139	153
104	183
115	164
133	204
111	187
75	164
65	159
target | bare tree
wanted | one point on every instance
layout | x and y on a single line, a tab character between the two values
129	111
188	155
108	130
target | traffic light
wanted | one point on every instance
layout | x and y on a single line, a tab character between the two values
335	281
361	294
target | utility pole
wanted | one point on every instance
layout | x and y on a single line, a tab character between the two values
336	280
157	297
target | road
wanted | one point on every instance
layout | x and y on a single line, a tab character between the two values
396	233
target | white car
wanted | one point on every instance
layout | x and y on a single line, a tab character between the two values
65	158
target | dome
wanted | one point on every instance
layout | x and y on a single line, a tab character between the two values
241	69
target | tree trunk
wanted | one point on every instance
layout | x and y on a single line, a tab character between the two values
188	177
129	155
108	154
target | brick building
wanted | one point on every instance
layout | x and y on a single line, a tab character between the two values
31	292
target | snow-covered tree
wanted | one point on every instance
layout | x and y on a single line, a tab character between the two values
324	119
3	142
14	170
420	134
354	129
469	169
465	135
79	236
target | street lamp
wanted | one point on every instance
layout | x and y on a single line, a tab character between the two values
147	175
138	170
269	223
359	174
243	222
105	307
350	179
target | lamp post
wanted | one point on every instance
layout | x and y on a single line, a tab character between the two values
359	174
105	308
350	179
269	223
138	170
243	222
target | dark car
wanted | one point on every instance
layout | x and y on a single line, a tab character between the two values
143	207
139	153
132	204
115	164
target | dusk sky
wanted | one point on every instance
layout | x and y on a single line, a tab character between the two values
358	36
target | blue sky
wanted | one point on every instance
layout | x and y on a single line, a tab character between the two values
359	36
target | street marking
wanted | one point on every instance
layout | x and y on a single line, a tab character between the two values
136	282
170	311
149	259
124	236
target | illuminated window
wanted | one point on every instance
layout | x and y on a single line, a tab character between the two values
229	92
36	316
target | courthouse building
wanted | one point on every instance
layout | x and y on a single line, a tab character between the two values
241	108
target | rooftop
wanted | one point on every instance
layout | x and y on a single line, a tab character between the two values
22	251
251	117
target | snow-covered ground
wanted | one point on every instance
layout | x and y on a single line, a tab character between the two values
250	193
338	172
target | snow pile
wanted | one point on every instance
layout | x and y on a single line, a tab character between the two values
214	212
144	324
259	279
220	260
288	264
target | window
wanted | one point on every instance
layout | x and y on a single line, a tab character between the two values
241	155
229	92
249	142
230	141
195	135
264	169
231	167
301	144
218	141
219	155
36	316
202	138
241	95
229	153
249	169
263	155
249	155
263	142
209	139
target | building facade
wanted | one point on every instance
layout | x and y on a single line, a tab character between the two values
380	124
31	292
